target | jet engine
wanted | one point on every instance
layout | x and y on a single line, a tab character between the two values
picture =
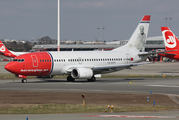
81	73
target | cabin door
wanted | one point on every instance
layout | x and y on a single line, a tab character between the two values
34	61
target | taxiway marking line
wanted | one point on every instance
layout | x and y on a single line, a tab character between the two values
161	86
131	116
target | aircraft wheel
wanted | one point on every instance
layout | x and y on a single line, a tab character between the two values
93	79
24	80
70	79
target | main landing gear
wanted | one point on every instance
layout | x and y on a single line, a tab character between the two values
93	79
71	79
24	80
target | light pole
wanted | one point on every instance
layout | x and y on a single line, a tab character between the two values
58	34
98	31
103	32
170	20
166	20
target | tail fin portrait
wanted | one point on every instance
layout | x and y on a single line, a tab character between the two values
138	38
170	40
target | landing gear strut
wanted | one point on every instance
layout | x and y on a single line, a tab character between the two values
93	79
24	80
70	79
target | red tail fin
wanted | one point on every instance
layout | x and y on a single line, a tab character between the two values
4	51
170	40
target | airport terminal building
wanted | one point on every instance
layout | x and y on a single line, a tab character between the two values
152	43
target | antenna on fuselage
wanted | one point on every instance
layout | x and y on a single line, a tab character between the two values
58	34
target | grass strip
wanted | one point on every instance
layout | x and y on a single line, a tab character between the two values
68	108
11	76
138	76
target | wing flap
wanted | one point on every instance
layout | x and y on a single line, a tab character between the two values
127	66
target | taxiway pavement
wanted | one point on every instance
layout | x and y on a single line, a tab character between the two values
168	115
105	85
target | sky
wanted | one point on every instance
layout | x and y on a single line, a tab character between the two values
33	19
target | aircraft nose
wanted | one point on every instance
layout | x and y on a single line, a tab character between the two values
10	67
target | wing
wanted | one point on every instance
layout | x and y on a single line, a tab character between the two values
153	52
168	54
111	68
122	66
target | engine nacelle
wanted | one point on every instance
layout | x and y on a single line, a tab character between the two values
82	73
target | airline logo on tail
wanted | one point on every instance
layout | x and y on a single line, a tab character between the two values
170	39
2	47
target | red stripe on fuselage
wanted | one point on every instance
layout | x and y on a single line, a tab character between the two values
34	64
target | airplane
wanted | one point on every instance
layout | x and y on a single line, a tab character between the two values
171	44
83	64
8	53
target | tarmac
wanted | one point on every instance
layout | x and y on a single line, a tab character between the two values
164	86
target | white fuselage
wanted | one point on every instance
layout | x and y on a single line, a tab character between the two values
62	61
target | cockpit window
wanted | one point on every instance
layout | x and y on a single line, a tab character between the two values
19	60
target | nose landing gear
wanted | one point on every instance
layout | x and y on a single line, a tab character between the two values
24	80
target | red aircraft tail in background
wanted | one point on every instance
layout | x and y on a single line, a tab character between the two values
5	52
171	44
